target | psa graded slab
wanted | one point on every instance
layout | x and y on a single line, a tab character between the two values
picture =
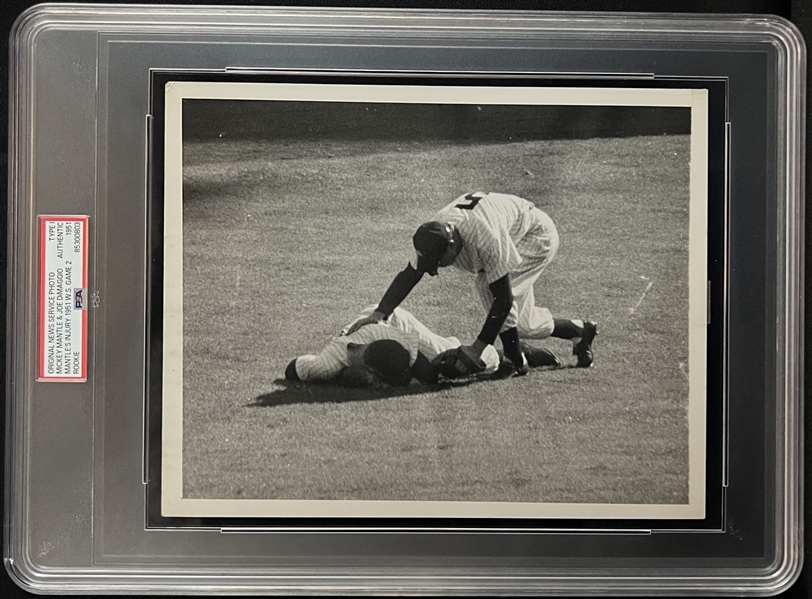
404	301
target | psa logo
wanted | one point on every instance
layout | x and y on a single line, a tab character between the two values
79	298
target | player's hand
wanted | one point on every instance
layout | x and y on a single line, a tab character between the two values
458	363
474	351
373	318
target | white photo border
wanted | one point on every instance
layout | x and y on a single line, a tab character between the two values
174	504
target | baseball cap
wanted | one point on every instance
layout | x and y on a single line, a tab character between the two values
390	361
431	242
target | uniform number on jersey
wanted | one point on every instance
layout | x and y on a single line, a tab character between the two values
471	198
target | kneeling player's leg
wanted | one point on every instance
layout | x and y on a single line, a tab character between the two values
539	356
582	333
539	323
564	328
538	249
534	322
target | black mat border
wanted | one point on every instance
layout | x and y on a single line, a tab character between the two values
715	493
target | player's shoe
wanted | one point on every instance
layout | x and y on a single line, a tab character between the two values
583	349
538	357
507	370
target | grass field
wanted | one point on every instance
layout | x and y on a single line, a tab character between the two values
285	242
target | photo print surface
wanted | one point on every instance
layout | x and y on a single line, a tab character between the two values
289	211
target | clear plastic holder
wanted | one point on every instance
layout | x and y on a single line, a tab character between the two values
109	129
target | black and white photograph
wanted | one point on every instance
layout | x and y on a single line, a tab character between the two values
434	301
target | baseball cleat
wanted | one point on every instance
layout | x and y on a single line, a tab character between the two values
583	349
538	357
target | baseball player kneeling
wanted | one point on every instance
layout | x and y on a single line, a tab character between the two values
507	243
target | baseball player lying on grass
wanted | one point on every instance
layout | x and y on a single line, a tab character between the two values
395	350
507	243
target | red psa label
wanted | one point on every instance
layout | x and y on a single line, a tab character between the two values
63	298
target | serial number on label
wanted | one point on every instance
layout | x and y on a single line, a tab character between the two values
63	298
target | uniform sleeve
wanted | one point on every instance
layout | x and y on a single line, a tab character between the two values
326	366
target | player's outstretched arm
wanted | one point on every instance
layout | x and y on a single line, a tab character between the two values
398	290
500	309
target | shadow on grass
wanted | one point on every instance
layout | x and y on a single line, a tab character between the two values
292	392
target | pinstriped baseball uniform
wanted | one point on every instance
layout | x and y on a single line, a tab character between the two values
505	234
329	363
430	343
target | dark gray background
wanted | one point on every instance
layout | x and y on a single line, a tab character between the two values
794	11
242	119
